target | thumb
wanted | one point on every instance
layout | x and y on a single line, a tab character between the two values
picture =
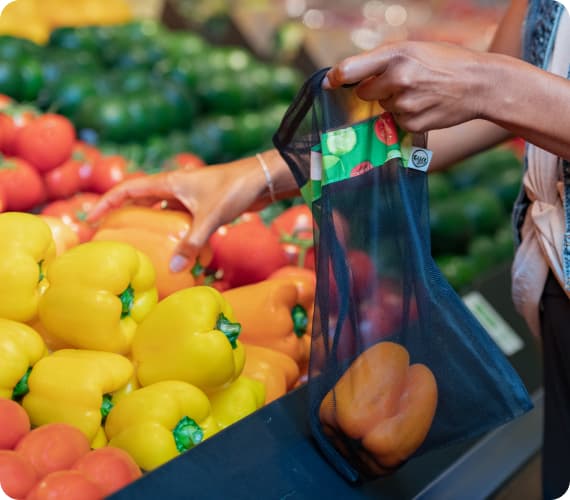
189	247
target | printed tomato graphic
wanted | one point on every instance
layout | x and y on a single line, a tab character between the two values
361	168
386	130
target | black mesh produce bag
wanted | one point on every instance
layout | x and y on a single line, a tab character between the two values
399	365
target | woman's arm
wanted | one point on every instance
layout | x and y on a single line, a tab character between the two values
457	143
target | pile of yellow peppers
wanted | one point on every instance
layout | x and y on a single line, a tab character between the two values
34	19
153	378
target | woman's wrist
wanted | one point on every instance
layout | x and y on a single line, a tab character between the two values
279	182
501	79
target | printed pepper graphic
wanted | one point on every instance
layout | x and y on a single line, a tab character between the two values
73	386
99	292
274	314
157	234
191	336
21	347
27	248
237	401
158	422
384	404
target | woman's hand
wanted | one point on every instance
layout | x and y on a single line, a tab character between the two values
214	196
426	86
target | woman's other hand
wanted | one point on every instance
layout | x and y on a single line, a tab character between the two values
214	196
425	85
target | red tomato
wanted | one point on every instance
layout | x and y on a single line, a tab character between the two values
11	122
185	161
109	171
363	273
87	156
361	168
21	184
5	101
73	213
63	181
65	485
14	422
386	129
46	142
246	251
109	468
17	475
53	447
295	230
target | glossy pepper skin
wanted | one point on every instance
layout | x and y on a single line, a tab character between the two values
274	314
156	233
277	371
237	401
191	336
21	347
384	405
26	249
158	422
72	386
98	293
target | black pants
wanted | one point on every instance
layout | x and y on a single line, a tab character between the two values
555	329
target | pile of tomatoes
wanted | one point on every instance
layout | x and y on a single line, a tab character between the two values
44	167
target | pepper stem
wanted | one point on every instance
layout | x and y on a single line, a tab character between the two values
187	434
106	406
300	320
229	329
127	301
198	269
21	388
41	275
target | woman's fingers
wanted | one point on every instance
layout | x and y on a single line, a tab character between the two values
205	222
140	188
357	68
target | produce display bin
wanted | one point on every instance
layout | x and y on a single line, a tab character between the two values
270	454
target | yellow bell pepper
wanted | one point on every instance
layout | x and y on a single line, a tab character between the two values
131	386
98	293
158	422
191	336
74	386
21	347
237	401
27	247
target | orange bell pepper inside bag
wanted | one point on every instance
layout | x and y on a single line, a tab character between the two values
384	403
157	234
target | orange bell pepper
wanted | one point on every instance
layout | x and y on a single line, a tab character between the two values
156	233
304	279
273	314
277	371
384	405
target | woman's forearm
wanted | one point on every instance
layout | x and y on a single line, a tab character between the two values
454	144
529	102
